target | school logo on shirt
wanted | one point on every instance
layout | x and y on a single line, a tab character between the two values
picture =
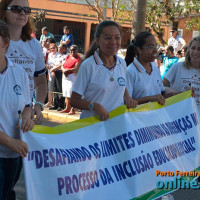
17	89
121	81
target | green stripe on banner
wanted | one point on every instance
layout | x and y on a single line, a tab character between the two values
156	193
64	128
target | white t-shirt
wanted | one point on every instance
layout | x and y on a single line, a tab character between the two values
60	59
180	77
94	85
51	62
140	83
177	42
15	94
29	56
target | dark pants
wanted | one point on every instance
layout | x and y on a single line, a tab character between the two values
59	100
10	169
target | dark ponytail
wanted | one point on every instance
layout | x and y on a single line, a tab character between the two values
138	41
91	50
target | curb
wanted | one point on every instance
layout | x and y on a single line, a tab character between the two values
60	117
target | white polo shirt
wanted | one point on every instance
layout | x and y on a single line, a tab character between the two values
180	77
15	94
140	83
94	85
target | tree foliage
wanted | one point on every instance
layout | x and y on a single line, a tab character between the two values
159	13
39	16
162	13
120	9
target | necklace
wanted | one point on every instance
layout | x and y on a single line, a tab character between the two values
109	68
112	79
111	73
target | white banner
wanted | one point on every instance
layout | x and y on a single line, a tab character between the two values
91	159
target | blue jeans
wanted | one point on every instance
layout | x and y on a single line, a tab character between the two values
10	169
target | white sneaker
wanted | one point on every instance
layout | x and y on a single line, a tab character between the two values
168	197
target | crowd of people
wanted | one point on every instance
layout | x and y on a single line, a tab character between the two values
97	83
61	62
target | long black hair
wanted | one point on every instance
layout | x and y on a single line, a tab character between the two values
138	41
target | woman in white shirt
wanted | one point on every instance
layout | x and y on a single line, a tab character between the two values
15	97
100	85
51	75
143	76
25	50
185	75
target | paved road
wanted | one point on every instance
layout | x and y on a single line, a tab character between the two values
20	186
178	195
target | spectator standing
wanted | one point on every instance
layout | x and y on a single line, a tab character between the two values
14	90
67	38
143	76
168	60
45	47
100	85
51	75
179	54
46	51
69	76
45	34
57	69
176	40
185	75
183	52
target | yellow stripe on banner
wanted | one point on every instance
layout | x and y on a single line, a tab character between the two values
70	126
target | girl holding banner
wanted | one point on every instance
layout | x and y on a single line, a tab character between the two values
143	76
100	85
15	96
186	75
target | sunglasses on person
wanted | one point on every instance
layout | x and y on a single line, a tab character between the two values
18	9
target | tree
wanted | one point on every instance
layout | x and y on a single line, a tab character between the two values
120	9
139	13
168	12
39	16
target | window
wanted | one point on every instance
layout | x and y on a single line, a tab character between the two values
195	34
180	32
